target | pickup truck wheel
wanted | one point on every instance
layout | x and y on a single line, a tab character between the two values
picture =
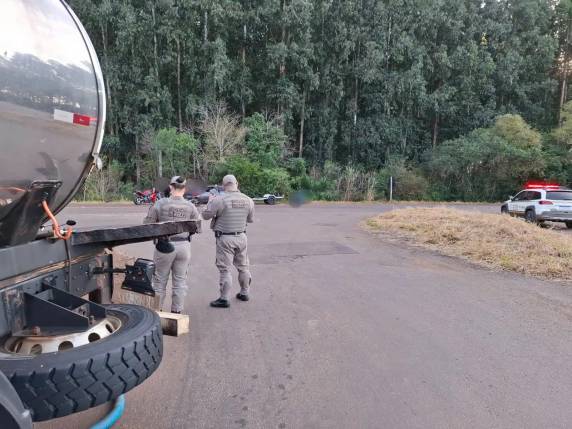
504	210
530	216
271	200
60	383
569	225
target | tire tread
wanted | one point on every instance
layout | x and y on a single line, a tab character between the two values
77	386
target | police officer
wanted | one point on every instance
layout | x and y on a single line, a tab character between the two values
173	255
230	212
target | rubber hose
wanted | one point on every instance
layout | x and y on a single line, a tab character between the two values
114	415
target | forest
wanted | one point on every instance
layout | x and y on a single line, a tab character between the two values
455	99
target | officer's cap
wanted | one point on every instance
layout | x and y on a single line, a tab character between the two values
229	179
178	180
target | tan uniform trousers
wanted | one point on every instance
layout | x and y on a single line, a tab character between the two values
177	263
232	250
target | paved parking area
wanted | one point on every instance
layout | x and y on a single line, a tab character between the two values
347	331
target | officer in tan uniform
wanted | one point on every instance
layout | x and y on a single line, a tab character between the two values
173	256
230	213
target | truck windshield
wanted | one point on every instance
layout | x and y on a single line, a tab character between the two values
560	195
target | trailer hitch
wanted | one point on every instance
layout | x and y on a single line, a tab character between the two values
138	277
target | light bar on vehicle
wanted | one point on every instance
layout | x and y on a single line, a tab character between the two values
541	185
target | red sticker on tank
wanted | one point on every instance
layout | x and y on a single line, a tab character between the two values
81	119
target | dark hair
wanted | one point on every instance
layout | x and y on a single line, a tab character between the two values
179	183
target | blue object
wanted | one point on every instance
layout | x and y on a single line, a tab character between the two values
113	415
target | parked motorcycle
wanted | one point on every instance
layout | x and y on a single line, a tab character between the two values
147	196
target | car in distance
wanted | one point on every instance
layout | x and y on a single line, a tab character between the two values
539	202
269	199
203	197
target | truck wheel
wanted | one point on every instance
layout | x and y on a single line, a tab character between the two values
530	216
77	378
569	225
271	200
504	210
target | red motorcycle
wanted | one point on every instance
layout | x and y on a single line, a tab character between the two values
147	196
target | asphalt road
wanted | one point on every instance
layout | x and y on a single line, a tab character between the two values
346	330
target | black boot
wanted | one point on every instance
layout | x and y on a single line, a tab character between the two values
242	297
220	303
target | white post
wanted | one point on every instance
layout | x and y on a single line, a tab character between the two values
390	188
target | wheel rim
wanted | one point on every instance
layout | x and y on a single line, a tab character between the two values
36	345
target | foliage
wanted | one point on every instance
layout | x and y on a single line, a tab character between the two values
254	179
486	164
408	182
265	142
105	185
177	152
197	87
222	133
563	134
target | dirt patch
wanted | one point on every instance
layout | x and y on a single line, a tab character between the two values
491	240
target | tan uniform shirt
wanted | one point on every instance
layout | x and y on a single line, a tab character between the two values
230	212
172	209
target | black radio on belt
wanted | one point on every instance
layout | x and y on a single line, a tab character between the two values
138	277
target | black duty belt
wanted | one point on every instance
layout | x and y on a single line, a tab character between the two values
180	239
219	233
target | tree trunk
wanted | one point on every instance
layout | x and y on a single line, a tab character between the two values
205	40
160	163
564	84
435	130
302	117
179	82
282	65
243	54
155	50
206	27
109	124
356	85
137	162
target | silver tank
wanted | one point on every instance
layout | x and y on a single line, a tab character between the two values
52	101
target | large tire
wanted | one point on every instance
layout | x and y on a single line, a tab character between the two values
569	225
271	200
57	384
530	216
504	209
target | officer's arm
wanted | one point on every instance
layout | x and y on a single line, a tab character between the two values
212	209
195	215
152	215
250	217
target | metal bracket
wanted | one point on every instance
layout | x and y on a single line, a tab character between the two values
55	312
138	277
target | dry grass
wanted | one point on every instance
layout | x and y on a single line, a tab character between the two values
491	240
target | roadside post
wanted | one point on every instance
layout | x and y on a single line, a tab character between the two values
390	188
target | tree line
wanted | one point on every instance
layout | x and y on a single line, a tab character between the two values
336	95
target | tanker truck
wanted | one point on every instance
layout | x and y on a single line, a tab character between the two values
64	347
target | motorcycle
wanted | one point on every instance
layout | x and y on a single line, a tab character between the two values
147	196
